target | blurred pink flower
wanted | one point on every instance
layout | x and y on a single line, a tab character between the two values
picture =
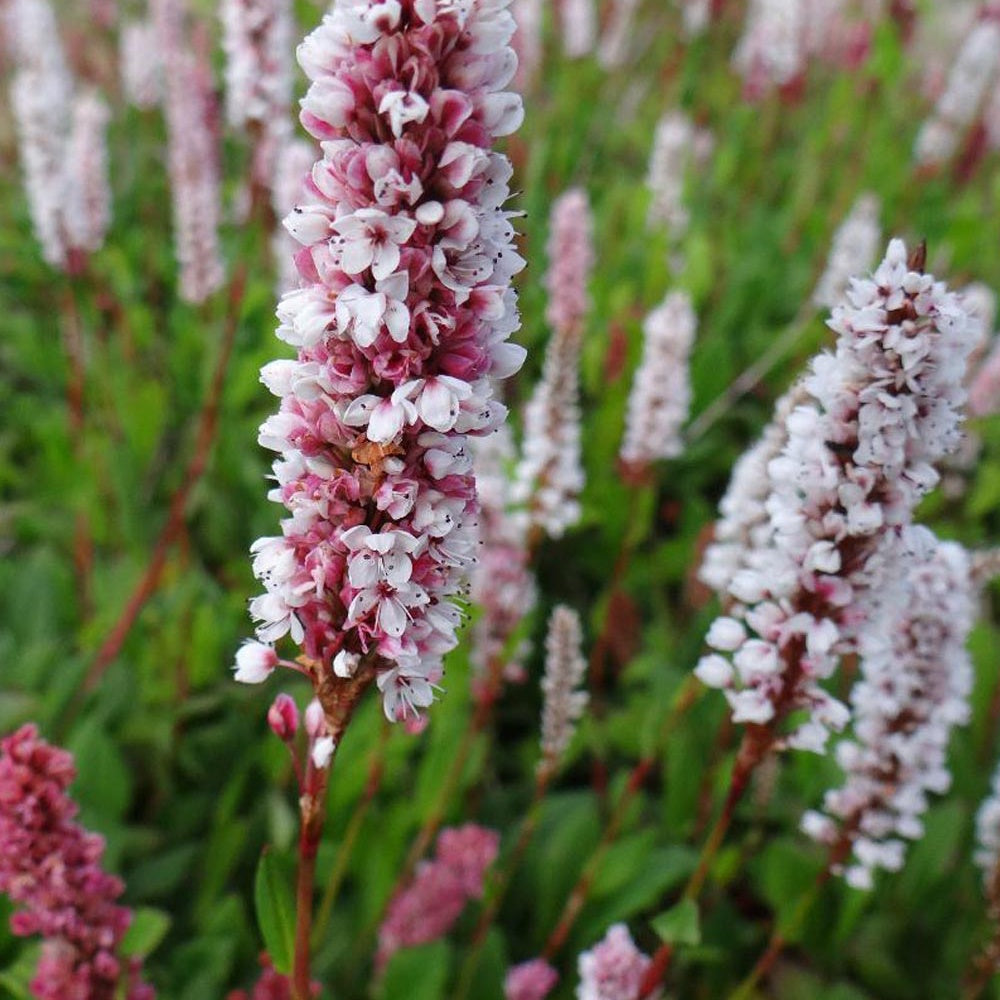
52	867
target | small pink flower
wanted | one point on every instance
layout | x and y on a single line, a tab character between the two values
283	717
533	980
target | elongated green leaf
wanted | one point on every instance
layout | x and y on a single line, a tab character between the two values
274	898
680	924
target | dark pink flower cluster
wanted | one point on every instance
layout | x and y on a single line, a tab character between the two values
52	867
531	980
429	906
272	985
401	325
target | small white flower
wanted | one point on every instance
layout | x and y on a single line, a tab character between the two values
322	752
255	662
345	664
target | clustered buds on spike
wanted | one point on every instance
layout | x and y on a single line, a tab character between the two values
661	390
914	687
257	40
743	526
531	980
502	584
613	51
401	325
677	144
527	40
192	156
428	907
696	15
288	189
579	27
271	985
141	64
62	141
857	458
974	74
771	52
565	670
550	474
613	969
51	867
987	855
853	251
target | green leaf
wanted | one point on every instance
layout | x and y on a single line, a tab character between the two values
148	928
275	903
418	973
15	978
680	924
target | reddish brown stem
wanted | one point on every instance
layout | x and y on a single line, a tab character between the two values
580	891
207	422
83	554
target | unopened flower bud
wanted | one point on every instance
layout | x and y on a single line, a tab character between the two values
283	717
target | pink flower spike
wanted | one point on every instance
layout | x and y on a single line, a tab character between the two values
613	969
51	866
401	326
532	980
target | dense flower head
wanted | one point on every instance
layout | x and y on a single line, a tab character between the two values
192	156
565	670
579	27
853	251
661	390
401	324
987	856
502	584
613	969
141	64
61	140
914	687
984	390
271	985
428	907
550	474
257	40
531	980
570	252
772	50
51	866
974	74
613	51
677	144
857	456
527	41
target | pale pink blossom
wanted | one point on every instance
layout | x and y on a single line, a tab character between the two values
661	388
570	253
613	969
613	51
192	156
401	323
974	74
564	701
578	19
853	251
502	584
141	64
914	686
528	39
257	41
531	980
88	194
824	554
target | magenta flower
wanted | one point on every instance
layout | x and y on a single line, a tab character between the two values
428	907
532	980
401	325
51	866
